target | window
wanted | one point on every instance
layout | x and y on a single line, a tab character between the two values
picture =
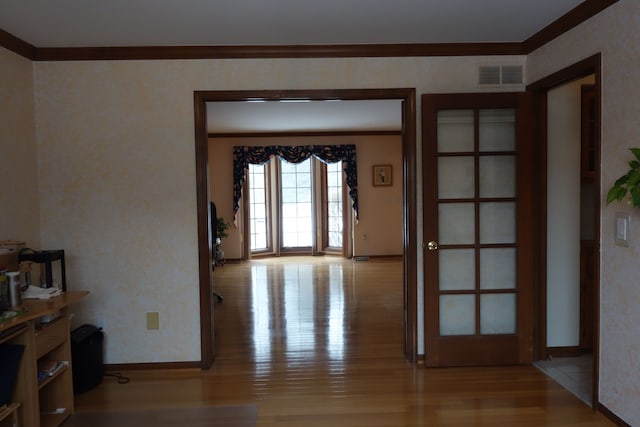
307	201
258	208
335	197
297	204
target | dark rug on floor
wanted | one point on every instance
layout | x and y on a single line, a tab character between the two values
219	416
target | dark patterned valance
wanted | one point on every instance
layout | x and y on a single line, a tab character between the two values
243	156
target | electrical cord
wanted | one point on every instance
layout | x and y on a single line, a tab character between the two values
121	378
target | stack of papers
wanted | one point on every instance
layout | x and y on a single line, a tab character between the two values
36	292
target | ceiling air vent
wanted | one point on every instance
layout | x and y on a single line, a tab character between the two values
493	75
512	74
489	75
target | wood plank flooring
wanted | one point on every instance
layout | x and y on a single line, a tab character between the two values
317	341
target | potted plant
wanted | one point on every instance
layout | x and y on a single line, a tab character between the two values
628	183
222	226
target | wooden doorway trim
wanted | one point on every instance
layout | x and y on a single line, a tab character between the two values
589	66
409	226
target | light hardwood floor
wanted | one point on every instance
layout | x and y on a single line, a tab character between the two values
317	341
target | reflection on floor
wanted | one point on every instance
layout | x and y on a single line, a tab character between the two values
317	342
310	310
573	373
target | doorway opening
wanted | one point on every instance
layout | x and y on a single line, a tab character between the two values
409	247
568	106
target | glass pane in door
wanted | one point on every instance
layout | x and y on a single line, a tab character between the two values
498	314
456	177
498	268
497	176
456	223
498	222
455	131
457	269
457	315
497	129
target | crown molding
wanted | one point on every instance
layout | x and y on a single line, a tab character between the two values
16	45
571	19
294	51
566	22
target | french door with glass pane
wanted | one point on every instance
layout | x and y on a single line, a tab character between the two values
477	221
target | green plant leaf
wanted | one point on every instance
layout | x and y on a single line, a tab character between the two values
633	178
628	183
622	180
222	227
635	196
616	193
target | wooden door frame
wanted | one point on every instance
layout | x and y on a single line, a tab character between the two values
589	66
409	224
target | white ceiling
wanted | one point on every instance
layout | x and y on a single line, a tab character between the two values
92	23
102	23
313	116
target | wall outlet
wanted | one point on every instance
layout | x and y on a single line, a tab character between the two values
153	320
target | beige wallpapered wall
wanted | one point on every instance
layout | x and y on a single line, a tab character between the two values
613	32
117	176
19	202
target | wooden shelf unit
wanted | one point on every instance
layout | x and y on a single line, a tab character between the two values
10	415
35	402
52	344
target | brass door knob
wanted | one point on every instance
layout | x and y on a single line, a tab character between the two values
432	246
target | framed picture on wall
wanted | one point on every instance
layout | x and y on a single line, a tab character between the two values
382	175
